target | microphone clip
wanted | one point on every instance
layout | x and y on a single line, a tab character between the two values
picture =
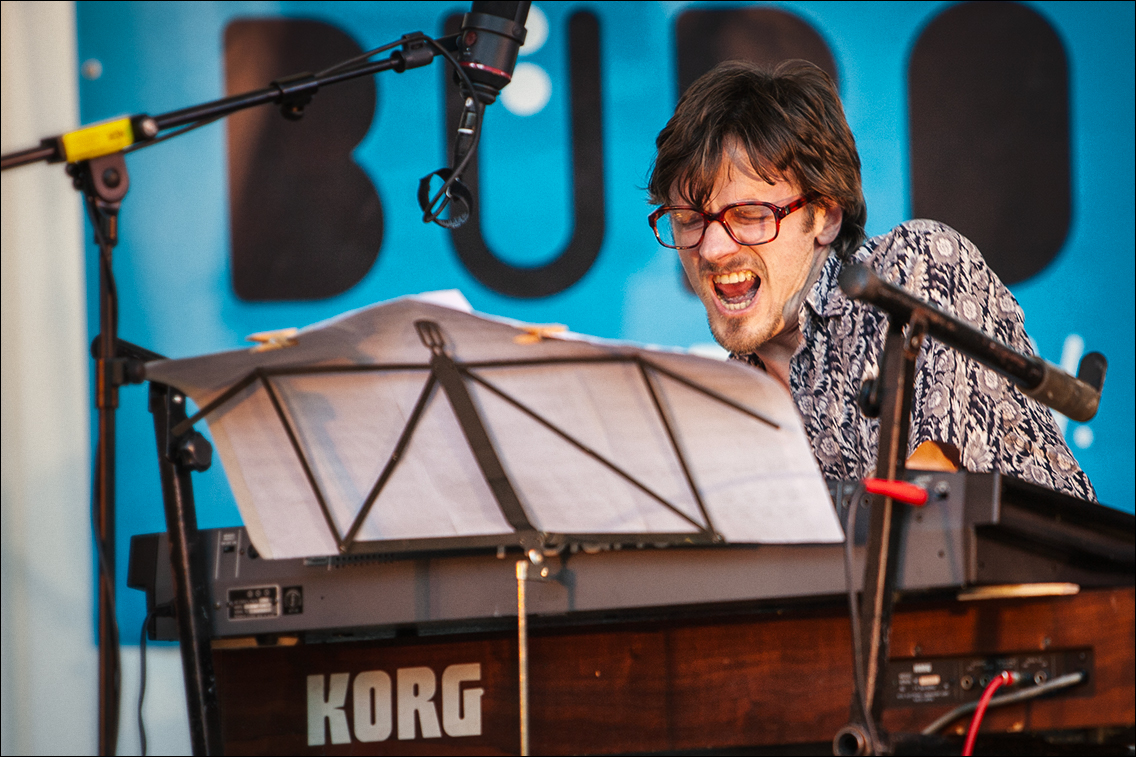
456	196
453	193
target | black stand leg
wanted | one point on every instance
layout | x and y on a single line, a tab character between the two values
177	457
106	401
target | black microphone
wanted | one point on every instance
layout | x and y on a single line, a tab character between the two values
490	38
487	46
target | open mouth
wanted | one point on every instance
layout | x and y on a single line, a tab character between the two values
737	290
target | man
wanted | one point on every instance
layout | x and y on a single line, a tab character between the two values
759	181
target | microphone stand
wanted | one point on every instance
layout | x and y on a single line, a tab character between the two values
889	397
102	177
104	183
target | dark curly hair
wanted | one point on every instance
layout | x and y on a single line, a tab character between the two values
789	121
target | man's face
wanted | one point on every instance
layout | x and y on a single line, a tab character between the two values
752	293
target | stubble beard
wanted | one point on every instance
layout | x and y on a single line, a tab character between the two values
738	335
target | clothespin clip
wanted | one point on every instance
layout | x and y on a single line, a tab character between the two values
273	340
900	490
535	333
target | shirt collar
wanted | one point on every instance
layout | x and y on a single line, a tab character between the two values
826	299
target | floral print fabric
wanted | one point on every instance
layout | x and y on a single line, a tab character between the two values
956	399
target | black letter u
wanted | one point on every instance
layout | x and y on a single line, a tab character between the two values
587	179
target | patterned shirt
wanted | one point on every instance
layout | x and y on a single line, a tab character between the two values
956	400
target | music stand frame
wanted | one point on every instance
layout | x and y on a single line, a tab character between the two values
451	377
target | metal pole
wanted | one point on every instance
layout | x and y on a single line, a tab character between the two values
106	400
104	183
177	457
896	379
895	383
523	651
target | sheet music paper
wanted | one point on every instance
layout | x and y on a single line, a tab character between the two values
759	484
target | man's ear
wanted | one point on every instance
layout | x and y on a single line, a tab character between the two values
828	220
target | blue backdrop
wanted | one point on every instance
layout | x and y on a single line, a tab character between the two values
173	263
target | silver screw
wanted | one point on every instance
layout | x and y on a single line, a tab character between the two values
148	127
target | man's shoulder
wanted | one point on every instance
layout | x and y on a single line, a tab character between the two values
927	258
938	264
915	241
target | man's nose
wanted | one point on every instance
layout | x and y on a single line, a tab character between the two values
716	243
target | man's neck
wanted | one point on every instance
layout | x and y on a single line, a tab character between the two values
778	352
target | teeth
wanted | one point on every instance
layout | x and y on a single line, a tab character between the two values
734	278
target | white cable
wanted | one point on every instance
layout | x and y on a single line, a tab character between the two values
1061	682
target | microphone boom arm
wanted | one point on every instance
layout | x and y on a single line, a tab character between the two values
1077	398
291	93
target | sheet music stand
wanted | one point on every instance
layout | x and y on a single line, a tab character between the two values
538	454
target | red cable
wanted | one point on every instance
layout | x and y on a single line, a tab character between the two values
987	694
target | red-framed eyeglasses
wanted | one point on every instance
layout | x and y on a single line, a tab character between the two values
748	223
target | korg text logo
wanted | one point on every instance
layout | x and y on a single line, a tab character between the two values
375	704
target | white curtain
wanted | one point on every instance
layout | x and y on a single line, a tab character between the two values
49	664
